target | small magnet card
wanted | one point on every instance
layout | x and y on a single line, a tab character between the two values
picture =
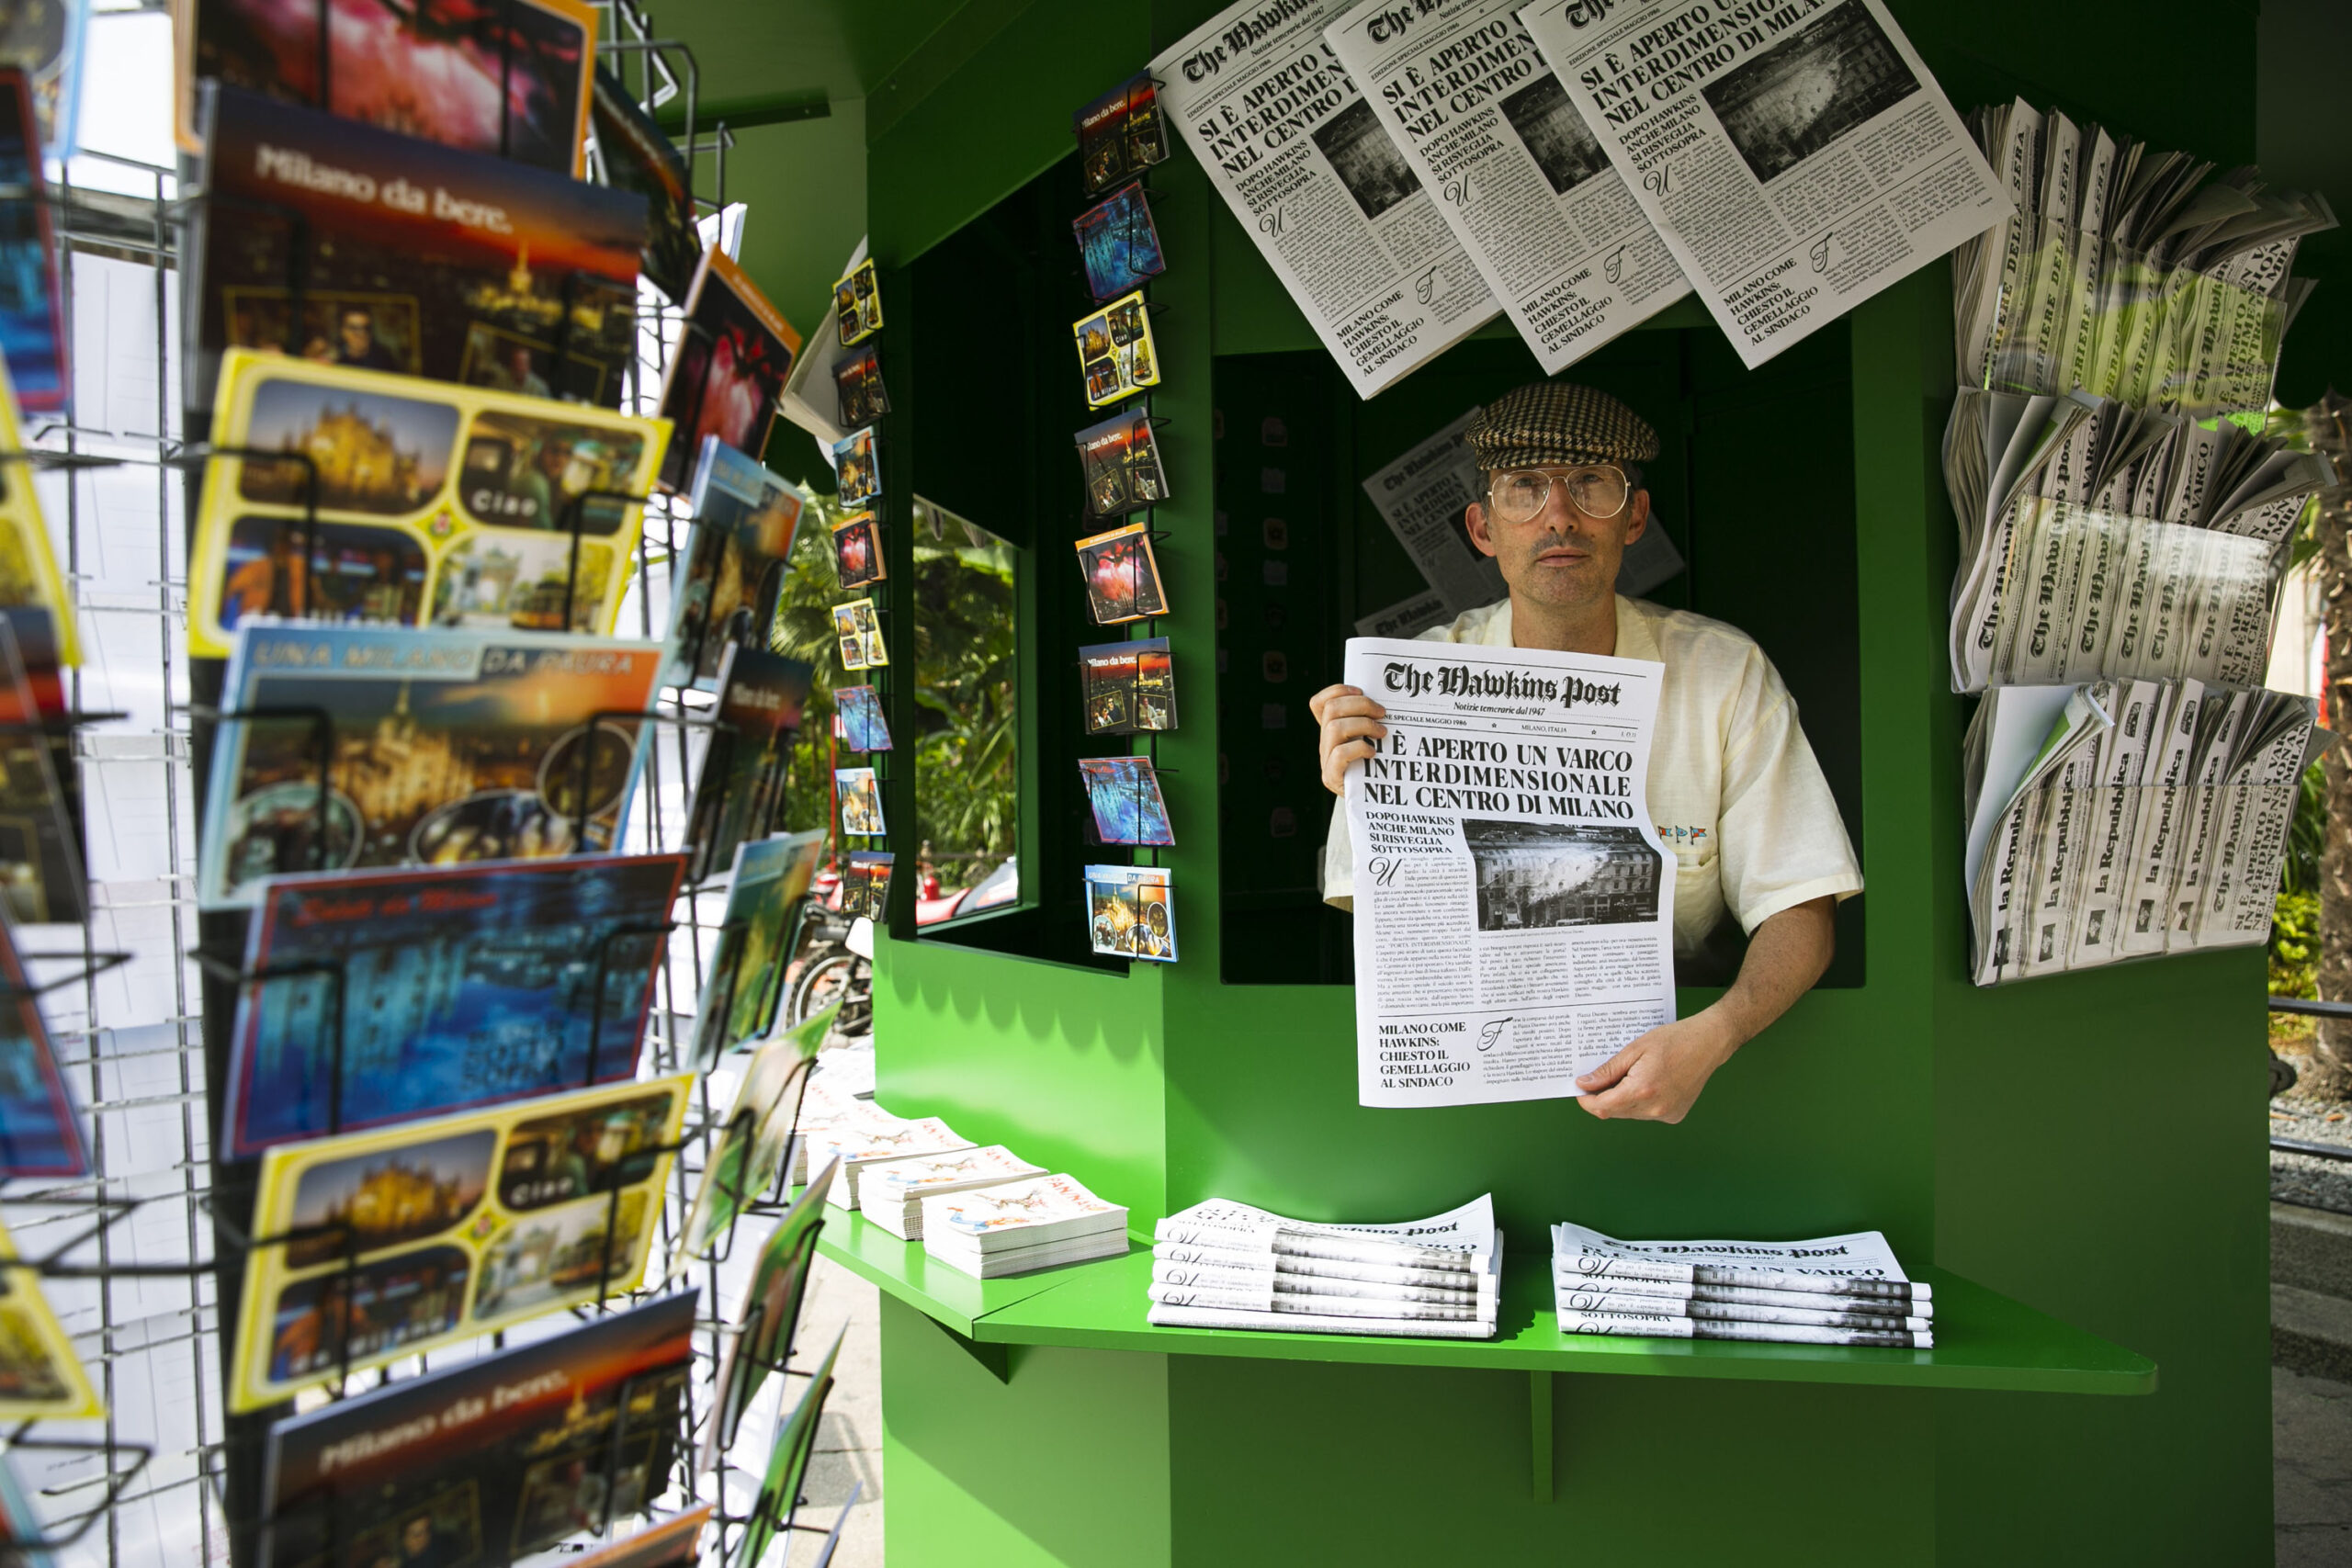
1130	687
855	471
867	890
863	727
1124	795
857	304
860	633
1120	133
857	550
1131	913
1120	459
1122	575
860	798
1118	244
857	382
1115	353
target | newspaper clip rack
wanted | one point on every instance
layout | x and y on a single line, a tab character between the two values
108	1213
584	773
68	1530
93	966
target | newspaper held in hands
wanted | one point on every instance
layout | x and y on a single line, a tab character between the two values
1467	97
1514	918
1795	154
1299	154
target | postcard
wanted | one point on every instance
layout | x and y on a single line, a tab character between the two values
857	550
634	155
32	319
861	798
1118	244
750	1153
761	698
733	359
490	1460
757	936
1120	134
412	503
737	553
1130	687
863	727
28	573
461	986
1122	575
511	81
1123	794
857	304
1132	912
856	473
514	278
376	1246
1115	351
859	630
41	1377
1121	460
770	1311
40	1133
865	884
857	382
673	1542
20	1522
45	43
42	880
796	1439
446	747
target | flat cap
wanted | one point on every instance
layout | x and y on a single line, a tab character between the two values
1558	421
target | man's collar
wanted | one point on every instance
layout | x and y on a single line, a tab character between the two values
1634	637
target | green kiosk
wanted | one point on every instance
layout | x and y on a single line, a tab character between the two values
2075	1163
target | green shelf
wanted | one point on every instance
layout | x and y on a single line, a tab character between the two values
1984	1339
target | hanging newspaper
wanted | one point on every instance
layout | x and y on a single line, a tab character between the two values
1467	98
1303	162
1795	153
1514	926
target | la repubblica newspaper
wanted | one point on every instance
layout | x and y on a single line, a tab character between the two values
1467	95
1303	160
1513	915
1795	153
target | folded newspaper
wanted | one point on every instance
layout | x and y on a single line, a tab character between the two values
1513	907
1795	154
2128	272
1225	1265
2126	820
2099	539
1839	1290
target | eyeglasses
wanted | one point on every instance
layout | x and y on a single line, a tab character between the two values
1598	492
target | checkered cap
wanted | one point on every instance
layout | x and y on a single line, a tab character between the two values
1558	421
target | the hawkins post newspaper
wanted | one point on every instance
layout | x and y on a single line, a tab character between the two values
1467	97
1795	153
1302	160
1514	921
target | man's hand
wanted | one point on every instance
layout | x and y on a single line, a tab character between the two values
1659	1076
1350	729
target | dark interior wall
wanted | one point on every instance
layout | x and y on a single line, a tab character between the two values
2304	139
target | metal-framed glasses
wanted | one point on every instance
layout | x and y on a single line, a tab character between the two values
1598	490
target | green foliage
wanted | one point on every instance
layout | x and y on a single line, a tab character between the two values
2294	946
967	685
803	629
2307	836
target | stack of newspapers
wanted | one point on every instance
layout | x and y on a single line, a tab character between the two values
2099	539
2126	820
1016	1226
1223	1265
831	1096
868	1135
2128	272
892	1192
1841	1289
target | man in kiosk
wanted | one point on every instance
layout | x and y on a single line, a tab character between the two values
1733	786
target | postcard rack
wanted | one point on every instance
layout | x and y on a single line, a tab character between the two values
143	1258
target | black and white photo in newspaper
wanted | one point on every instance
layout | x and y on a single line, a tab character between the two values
1300	156
1795	153
1467	97
1514	922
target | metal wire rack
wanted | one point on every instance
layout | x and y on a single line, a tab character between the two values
164	1478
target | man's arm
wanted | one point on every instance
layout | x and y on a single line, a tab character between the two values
1658	1076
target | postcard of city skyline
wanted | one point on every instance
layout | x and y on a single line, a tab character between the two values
454	1167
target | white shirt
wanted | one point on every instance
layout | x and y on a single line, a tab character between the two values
1733	789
